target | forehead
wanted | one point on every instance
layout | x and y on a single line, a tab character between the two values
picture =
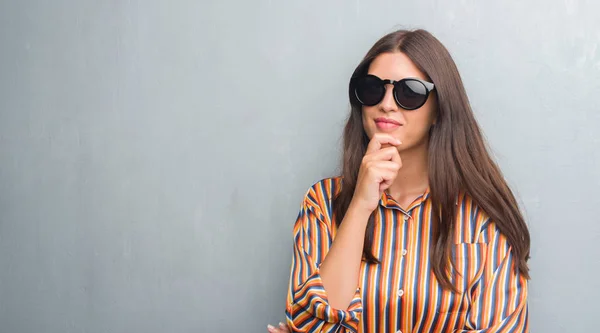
394	66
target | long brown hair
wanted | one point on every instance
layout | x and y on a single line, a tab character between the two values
458	157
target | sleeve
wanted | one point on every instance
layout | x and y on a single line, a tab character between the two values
499	301
307	308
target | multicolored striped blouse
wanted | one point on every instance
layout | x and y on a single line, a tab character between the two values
401	294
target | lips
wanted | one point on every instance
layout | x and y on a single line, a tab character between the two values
387	124
387	121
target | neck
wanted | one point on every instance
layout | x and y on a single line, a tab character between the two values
413	177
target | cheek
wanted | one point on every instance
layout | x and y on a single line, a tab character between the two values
418	125
423	117
367	116
368	112
418	120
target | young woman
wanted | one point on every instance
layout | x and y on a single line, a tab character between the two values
420	233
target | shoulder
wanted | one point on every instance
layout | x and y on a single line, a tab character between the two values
319	197
321	194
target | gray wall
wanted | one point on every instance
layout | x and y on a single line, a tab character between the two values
153	154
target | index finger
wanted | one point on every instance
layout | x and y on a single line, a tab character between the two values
379	140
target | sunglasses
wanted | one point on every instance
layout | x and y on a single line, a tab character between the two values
409	93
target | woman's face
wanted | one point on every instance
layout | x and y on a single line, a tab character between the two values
412	126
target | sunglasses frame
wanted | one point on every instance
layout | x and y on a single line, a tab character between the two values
429	87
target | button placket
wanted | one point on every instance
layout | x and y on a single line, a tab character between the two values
405	218
400	291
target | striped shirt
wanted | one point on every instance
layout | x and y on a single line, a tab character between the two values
402	294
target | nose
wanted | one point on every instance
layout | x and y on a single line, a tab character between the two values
388	103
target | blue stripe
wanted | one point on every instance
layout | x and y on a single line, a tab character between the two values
419	248
506	283
393	256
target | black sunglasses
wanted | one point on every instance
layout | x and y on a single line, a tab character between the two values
409	93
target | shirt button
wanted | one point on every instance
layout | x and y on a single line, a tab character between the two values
400	292
404	252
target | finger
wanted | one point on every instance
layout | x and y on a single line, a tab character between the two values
281	328
385	154
387	166
386	145
379	171
384	174
380	139
374	166
387	178
384	186
396	157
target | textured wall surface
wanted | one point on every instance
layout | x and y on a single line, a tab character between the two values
154	154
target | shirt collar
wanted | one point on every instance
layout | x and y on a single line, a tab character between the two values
388	201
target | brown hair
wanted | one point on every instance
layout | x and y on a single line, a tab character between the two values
458	157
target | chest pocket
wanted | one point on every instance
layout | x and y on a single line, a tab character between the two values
469	259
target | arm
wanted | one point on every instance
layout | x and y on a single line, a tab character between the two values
499	301
323	293
340	270
322	268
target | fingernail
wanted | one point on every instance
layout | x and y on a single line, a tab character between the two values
270	327
281	324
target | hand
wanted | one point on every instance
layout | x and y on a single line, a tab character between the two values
378	171
282	328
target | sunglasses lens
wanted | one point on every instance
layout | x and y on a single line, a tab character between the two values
369	90
410	94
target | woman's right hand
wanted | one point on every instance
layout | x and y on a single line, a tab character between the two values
378	171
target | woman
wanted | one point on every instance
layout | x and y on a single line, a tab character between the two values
421	232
